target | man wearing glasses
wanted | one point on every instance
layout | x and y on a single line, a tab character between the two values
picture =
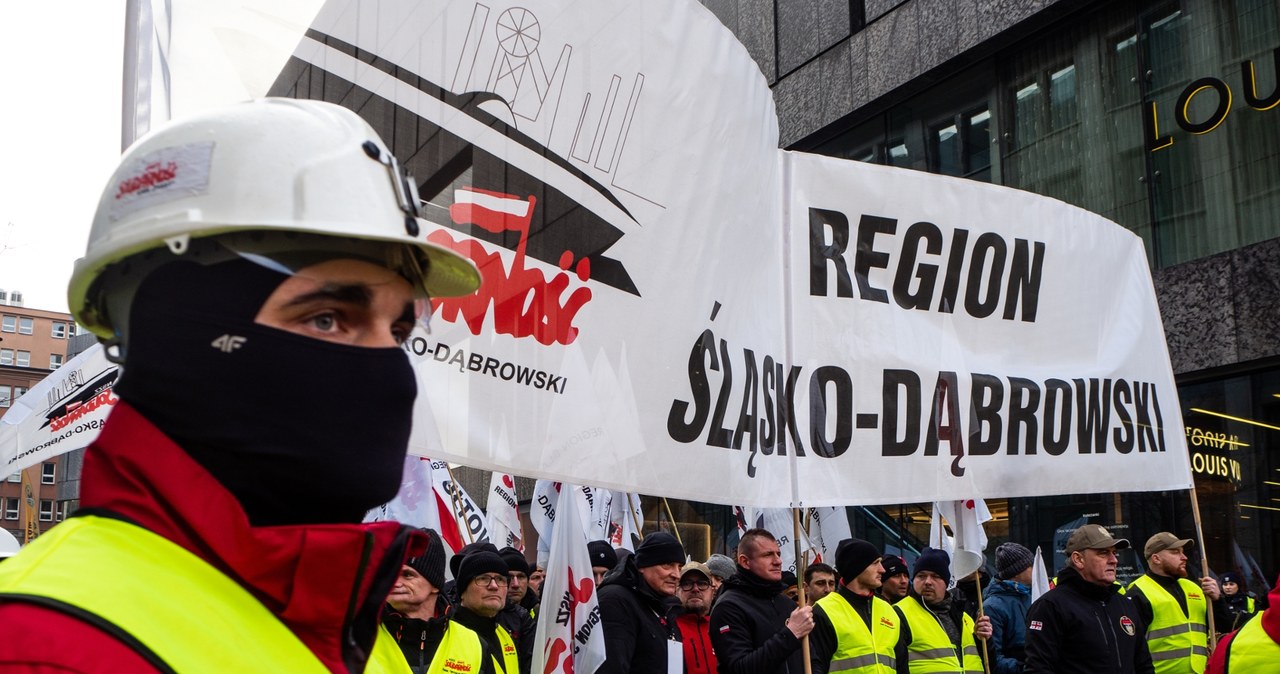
482	590
695	597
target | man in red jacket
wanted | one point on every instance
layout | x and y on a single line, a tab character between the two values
695	600
255	270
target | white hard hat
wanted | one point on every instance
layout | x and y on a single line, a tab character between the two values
275	165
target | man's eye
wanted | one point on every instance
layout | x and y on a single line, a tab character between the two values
324	322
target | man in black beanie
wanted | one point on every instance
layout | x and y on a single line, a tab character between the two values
638	608
418	617
940	636
754	628
895	582
603	559
242	262
516	617
854	628
482	592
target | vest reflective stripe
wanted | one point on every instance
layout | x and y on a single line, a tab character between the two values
1252	650
509	662
931	650
125	579
1176	640
860	649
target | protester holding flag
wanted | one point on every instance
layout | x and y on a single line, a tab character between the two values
215	488
637	611
1084	625
1007	601
939	635
855	630
482	590
418	617
1173	608
754	628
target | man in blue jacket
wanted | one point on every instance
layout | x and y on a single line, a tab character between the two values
1007	601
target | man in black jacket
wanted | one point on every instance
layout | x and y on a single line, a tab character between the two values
1085	624
638	609
754	628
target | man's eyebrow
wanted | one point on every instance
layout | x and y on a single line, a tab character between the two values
348	294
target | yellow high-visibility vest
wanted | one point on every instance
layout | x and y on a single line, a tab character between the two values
1176	640
1253	651
931	650
861	649
124	579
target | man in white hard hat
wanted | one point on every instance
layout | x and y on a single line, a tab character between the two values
254	270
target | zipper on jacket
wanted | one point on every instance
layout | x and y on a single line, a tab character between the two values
1115	641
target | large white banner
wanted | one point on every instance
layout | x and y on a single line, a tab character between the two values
673	306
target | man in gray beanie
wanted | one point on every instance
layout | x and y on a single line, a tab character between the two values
722	568
940	636
1006	602
638	607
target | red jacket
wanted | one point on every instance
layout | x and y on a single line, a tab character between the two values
696	636
310	576
1270	624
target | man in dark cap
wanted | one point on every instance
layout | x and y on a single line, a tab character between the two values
603	559
939	635
1173	608
895	583
754	628
790	586
1007	601
241	261
482	592
1084	624
853	628
638	609
417	616
516	617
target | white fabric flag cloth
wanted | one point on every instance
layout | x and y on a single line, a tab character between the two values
571	635
1039	576
504	512
626	519
966	518
461	518
827	528
542	514
415	504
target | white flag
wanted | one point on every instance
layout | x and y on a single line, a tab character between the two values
461	519
626	519
827	527
542	513
415	504
1039	576
504	512
571	635
966	519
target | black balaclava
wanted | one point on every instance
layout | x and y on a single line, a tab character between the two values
299	430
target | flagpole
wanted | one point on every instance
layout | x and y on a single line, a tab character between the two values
1204	563
986	659
795	540
674	529
457	502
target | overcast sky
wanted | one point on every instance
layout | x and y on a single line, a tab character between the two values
60	74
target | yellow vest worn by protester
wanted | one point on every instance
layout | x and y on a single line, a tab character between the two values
124	579
860	649
508	662
1253	651
1179	643
931	650
459	652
